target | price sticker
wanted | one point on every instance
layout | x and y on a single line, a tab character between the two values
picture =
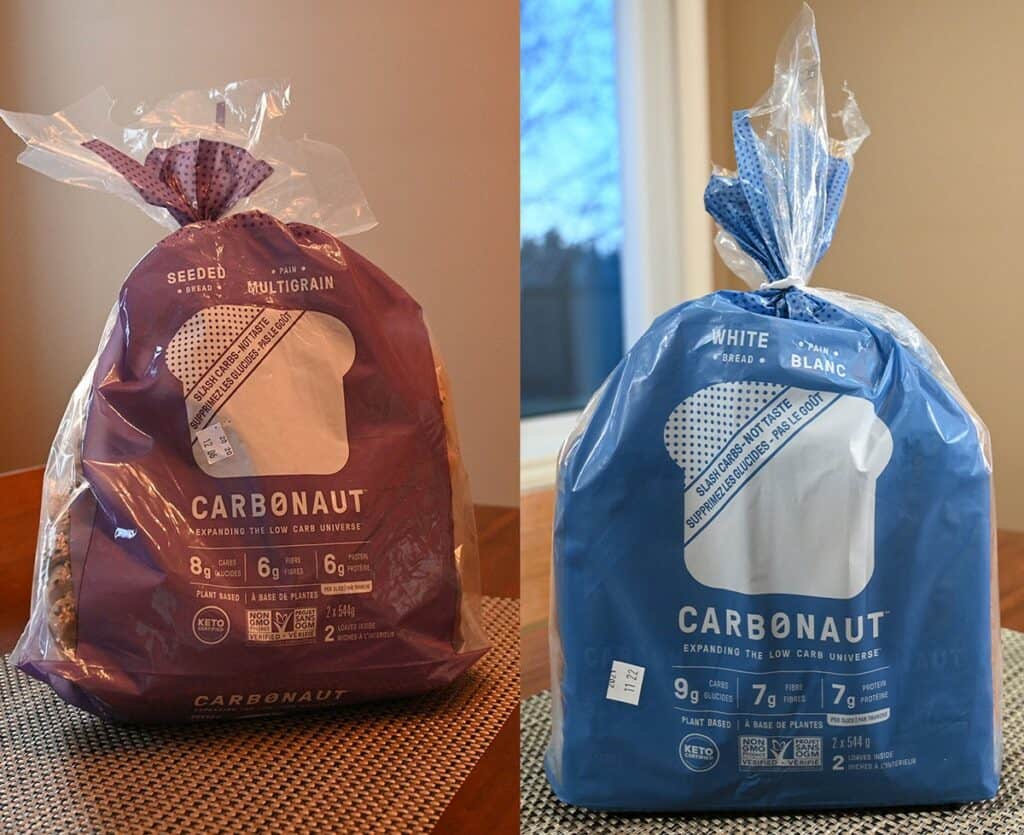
625	682
214	443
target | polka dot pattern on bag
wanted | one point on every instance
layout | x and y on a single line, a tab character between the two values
203	339
746	204
791	304
703	424
197	180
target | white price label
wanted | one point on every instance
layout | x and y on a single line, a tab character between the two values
214	443
625	682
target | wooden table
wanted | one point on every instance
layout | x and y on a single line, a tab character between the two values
535	568
490	794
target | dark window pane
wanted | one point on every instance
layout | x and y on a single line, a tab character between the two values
571	203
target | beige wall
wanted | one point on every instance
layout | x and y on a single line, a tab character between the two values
933	222
423	96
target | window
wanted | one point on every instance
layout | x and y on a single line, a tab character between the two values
571	287
614	159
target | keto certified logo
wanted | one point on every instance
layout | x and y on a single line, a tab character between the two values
211	625
698	752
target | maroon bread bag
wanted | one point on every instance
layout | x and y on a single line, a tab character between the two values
255	501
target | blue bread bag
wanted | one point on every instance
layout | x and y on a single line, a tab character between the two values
774	546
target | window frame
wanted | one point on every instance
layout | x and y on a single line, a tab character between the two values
661	63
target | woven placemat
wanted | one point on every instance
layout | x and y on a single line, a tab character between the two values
542	812
385	768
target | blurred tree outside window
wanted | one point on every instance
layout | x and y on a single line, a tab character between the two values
571	203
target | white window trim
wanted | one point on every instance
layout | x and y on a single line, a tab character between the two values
540	439
665	154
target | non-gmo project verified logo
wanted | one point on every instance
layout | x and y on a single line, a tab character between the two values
780	752
698	752
272	625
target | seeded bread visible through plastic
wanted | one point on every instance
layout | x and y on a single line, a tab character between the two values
63	486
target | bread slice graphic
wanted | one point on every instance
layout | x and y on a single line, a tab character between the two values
780	488
273	380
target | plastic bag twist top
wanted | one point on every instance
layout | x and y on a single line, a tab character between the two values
206	153
194	181
777	212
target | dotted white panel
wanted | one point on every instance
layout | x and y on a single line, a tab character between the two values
700	426
204	337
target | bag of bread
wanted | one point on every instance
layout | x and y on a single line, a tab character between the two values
255	501
774	550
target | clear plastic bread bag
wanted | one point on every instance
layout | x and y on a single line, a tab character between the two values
768	458
265	406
